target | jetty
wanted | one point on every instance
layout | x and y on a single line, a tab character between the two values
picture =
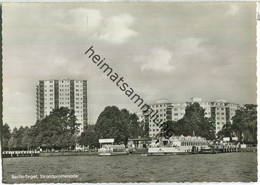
7	154
221	148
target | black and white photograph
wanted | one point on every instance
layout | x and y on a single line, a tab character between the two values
120	92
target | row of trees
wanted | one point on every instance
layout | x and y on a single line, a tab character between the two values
59	130
56	131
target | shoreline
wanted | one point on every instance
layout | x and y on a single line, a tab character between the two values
85	153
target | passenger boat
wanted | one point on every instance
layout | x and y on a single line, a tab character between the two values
178	145
107	148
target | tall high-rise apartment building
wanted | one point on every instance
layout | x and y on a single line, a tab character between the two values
52	94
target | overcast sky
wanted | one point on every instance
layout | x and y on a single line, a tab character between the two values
163	50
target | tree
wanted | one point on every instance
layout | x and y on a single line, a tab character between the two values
134	126
6	135
168	129
13	142
111	124
57	129
25	138
118	124
245	123
89	137
144	129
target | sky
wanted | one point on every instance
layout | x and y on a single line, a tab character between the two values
171	51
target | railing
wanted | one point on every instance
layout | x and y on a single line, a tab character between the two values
20	153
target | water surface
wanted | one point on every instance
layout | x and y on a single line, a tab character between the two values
226	167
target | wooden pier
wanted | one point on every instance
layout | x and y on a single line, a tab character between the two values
221	148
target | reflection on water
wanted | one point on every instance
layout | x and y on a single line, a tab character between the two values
227	167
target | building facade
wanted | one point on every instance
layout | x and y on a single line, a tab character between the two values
220	111
164	112
52	94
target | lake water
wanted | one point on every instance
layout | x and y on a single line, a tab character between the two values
226	167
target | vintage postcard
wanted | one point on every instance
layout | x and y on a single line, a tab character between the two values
129	92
